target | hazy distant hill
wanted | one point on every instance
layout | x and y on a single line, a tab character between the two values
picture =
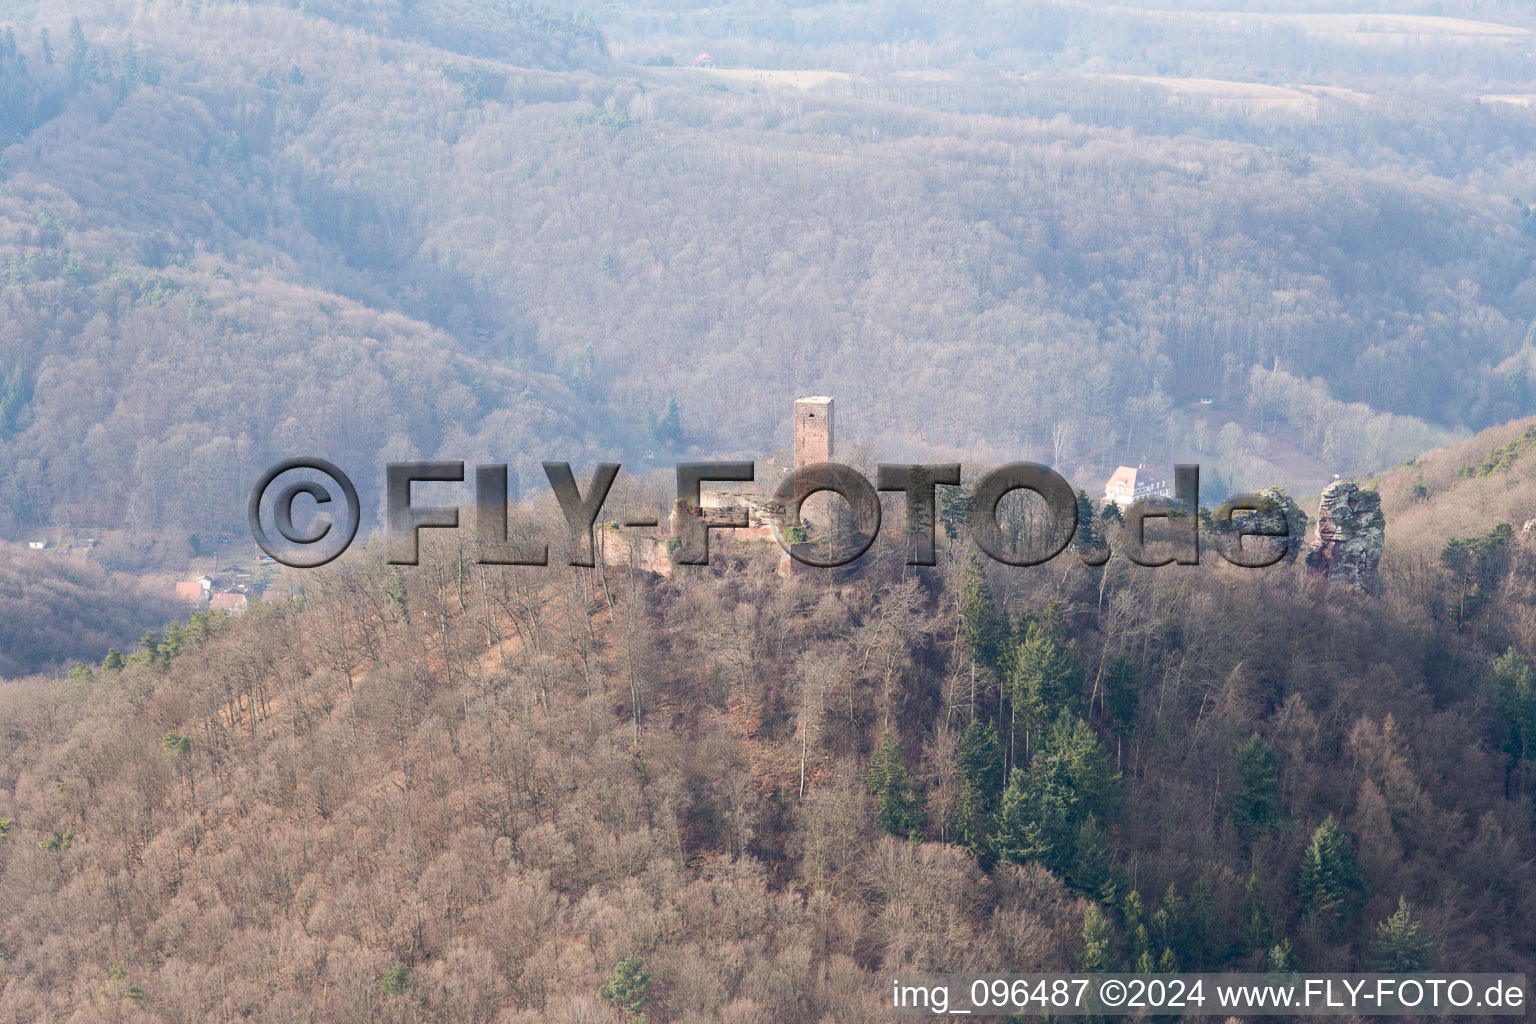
55	612
237	232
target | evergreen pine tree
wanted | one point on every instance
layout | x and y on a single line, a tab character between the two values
1168	928
1120	695
132	64
981	770
981	761
1328	884
955	511
172	643
1041	812
1045	672
1134	912
149	648
628	988
972	825
1202	943
176	744
1400	946
984	627
1089	535
1098	940
79	50
1031	826
584	372
1513	683
395	591
900	808
1257	935
1091	870
1091	783
1144	963
667	429
1256	805
1281	960
15	393
395	980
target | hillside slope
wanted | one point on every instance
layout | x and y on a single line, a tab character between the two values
466	793
54	613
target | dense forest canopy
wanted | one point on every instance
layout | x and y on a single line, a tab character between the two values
233	232
54	613
476	793
1281	242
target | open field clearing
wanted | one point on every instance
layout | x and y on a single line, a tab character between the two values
1394	27
1256	96
1374	29
927	75
772	77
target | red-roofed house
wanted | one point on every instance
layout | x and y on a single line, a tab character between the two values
232	603
193	591
1129	486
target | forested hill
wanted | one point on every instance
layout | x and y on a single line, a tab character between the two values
194	288
231	233
470	793
529	35
58	612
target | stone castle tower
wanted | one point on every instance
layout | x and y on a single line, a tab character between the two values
813	430
813	444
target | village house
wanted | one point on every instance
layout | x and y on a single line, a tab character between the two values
1129	486
231	602
193	591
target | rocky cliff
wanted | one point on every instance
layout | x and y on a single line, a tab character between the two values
1350	530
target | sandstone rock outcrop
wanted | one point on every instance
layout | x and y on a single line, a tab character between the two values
1276	516
1350	531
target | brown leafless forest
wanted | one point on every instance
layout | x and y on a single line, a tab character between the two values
1283	241
457	792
